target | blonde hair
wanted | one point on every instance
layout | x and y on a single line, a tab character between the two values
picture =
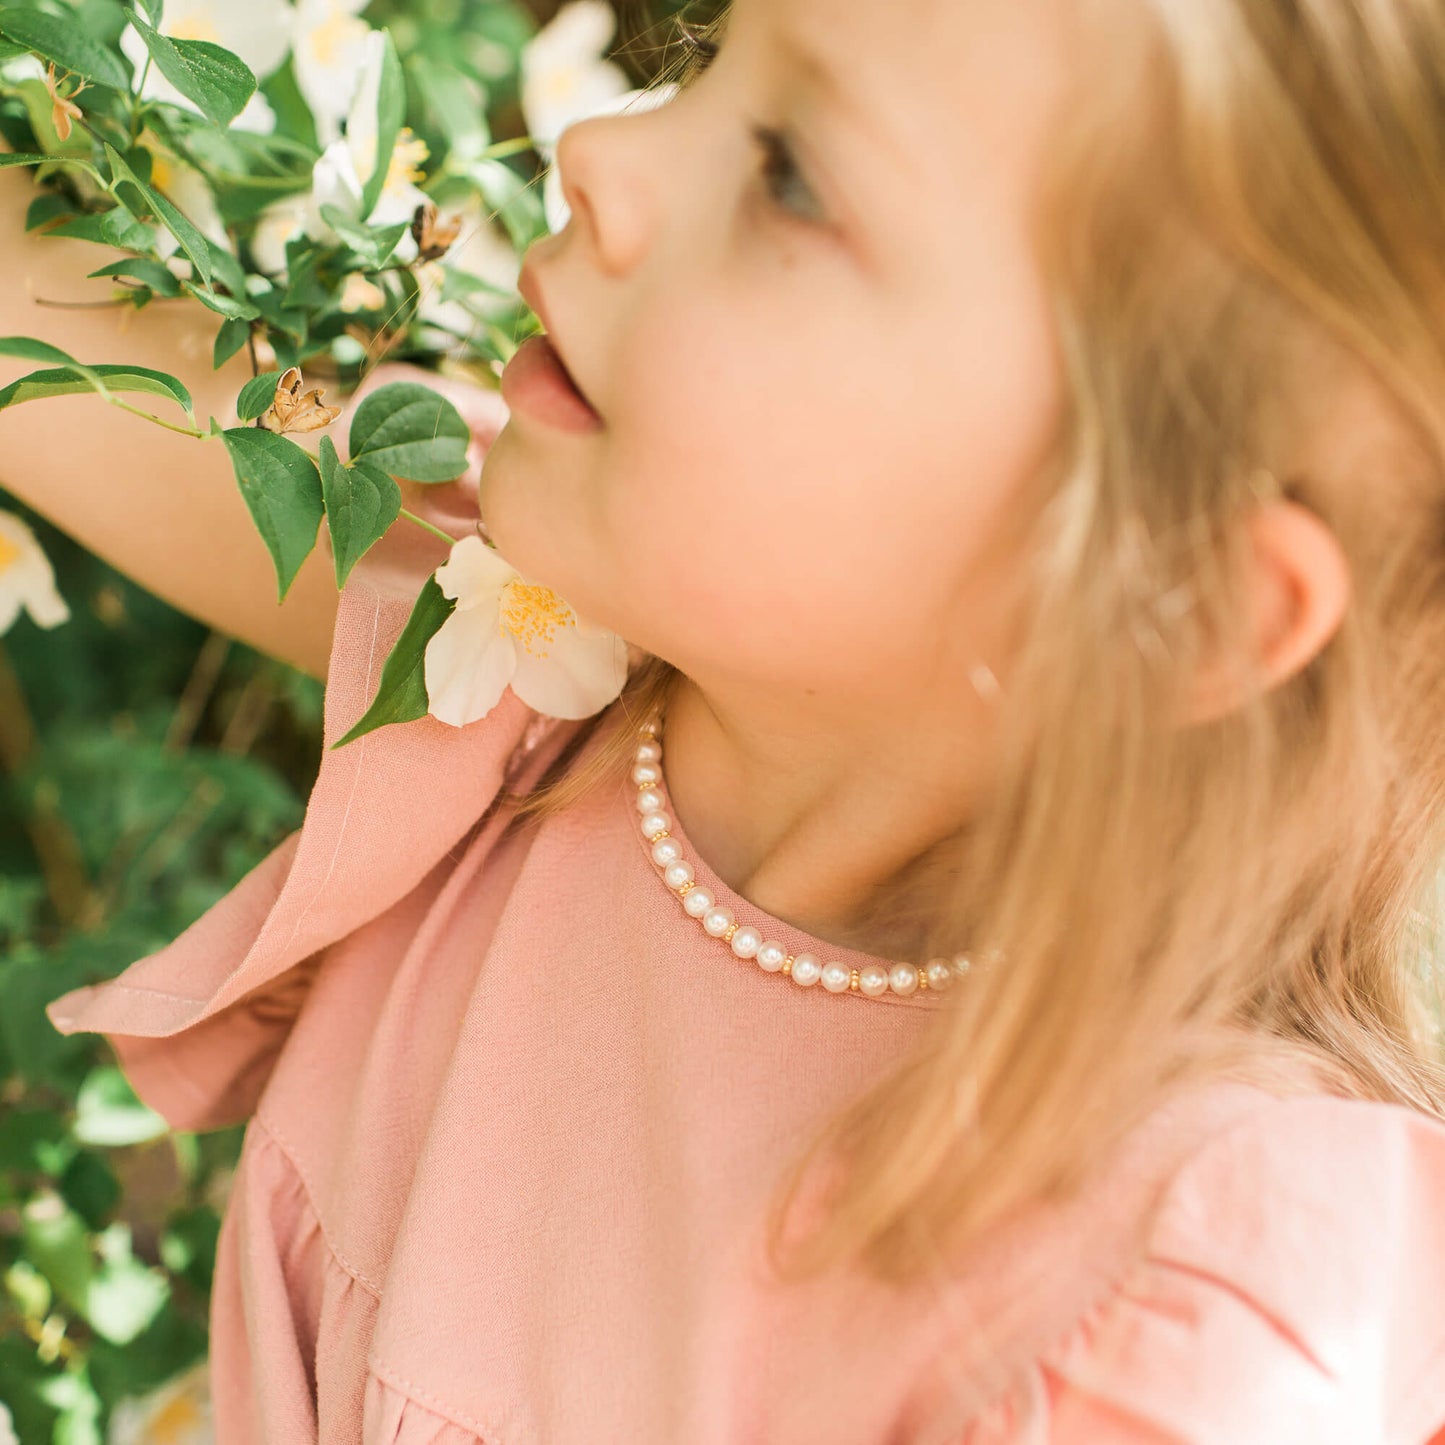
1249	218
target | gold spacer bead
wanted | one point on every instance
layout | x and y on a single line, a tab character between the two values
657	837
732	929
853	984
684	889
788	965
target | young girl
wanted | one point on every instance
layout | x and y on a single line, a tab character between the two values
1010	435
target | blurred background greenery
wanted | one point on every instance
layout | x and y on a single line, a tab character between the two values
146	764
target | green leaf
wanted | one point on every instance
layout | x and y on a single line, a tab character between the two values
401	696
159	277
390	115
361	503
227	306
257	395
107	1111
63	382
409	430
115	227
22	158
26	348
282	488
192	242
66	41
373	245
229	340
218	82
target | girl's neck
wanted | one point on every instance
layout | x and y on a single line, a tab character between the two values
821	835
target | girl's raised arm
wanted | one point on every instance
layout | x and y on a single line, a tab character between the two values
161	507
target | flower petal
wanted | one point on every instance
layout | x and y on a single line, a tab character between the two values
475	574
584	670
468	664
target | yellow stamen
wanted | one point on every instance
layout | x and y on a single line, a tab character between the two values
194	27
533	614
406	161
328	39
10	554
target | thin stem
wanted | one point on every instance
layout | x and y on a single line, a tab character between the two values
508	147
436	531
185	431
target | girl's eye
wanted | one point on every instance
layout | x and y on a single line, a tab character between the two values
783	176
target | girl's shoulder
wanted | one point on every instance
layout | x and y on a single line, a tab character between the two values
1292	1288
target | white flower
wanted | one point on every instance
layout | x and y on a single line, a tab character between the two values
178	1413
563	74
329	49
258	32
506	630
339	176
26	578
634	102
7	1426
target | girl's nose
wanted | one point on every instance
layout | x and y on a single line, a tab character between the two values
600	163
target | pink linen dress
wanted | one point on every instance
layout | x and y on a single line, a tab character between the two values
514	1120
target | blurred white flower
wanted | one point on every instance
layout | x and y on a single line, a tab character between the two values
26	580
564	76
7	1426
634	102
339	176
329	48
259	32
179	1413
506	630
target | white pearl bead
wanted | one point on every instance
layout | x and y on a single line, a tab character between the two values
649	800
646	775
771	956
746	941
655	823
836	976
939	973
649	752
697	901
666	852
873	979
962	962
807	969
679	870
717	921
903	978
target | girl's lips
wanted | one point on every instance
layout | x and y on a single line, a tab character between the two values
535	381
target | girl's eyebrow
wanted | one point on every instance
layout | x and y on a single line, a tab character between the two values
819	73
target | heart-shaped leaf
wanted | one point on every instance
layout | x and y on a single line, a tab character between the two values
411	431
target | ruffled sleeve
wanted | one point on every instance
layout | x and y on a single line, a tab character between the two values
197	1026
1292	1293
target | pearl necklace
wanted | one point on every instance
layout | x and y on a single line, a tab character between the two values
805	969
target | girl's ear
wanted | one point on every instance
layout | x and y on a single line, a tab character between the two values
1300	586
